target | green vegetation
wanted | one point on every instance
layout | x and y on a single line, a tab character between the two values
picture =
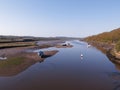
117	47
11	62
112	37
16	44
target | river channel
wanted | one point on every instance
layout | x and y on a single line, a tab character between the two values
67	70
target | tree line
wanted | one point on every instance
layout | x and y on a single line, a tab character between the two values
112	37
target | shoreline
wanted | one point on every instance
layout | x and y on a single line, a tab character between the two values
15	51
112	58
21	61
19	58
107	49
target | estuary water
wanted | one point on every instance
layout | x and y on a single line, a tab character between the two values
67	70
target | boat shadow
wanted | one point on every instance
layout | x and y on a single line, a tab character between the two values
45	56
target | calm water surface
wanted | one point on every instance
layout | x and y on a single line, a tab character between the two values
67	71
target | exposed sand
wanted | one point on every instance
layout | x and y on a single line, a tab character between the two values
13	51
34	56
19	59
10	52
24	60
18	51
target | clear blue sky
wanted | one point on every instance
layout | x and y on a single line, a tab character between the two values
44	18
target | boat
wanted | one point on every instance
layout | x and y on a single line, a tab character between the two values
81	55
3	58
88	45
40	53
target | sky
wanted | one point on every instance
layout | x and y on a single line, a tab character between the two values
50	18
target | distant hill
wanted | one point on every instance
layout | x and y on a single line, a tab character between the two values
112	37
7	39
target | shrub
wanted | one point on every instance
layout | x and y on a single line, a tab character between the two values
118	46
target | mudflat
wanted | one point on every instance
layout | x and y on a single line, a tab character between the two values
18	59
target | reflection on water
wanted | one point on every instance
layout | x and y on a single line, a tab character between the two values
117	66
44	57
115	76
81	58
116	79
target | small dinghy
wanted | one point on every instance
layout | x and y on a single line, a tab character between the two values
40	53
81	55
3	58
88	45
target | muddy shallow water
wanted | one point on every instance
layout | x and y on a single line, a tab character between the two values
67	70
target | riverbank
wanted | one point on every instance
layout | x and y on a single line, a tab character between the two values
112	57
19	58
15	51
12	51
109	50
21	61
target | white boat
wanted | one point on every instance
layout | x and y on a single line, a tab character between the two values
3	58
88	46
81	55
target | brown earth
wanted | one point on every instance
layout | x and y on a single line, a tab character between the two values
18	59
